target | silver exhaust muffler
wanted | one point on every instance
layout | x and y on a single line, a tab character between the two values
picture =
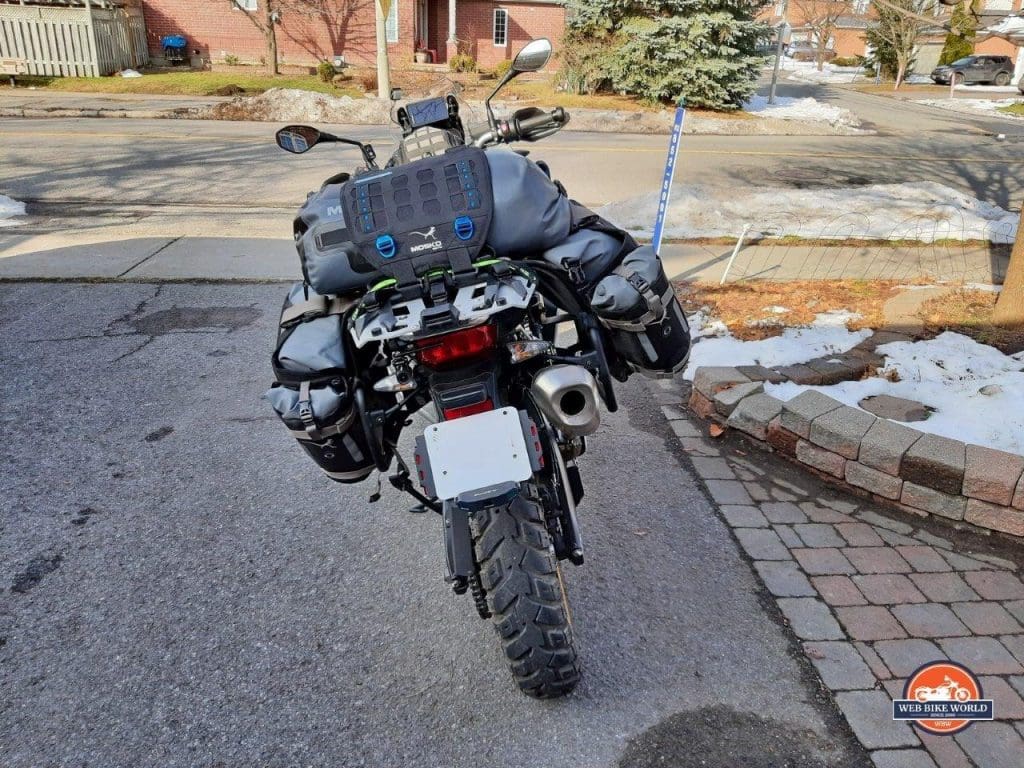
568	396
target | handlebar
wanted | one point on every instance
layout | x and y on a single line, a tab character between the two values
526	125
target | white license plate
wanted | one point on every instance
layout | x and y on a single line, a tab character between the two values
477	452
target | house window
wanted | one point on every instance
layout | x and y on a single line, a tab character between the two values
860	6
500	27
391	23
247	5
998	5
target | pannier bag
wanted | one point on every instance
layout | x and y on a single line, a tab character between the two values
313	392
594	247
638	307
531	212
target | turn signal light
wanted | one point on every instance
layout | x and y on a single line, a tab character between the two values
460	345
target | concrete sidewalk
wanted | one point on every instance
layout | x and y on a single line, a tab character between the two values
93	255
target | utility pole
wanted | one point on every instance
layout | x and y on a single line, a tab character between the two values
1009	311
781	31
383	68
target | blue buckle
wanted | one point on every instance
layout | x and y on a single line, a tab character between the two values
464	228
386	246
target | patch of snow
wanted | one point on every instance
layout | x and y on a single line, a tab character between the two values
825	336
807	110
1011	28
986	88
8	209
777	310
945	373
983	287
975	106
129	73
924	210
807	72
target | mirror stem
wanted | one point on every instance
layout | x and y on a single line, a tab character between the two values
491	119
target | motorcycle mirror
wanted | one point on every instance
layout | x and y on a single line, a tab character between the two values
534	56
396	94
298	138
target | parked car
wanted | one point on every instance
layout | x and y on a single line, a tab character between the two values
976	69
1020	84
804	51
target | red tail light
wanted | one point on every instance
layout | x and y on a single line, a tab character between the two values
468	410
460	345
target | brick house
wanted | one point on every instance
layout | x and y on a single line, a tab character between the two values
489	30
848	39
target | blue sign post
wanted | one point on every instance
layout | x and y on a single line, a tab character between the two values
670	172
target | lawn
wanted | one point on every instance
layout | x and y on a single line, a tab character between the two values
1014	109
187	84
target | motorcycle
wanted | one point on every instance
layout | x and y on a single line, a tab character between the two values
444	320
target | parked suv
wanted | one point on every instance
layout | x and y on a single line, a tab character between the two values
976	69
1020	84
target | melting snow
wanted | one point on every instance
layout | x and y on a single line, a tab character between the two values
806	109
923	210
827	335
947	373
8	209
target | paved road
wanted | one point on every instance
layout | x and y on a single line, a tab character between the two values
181	588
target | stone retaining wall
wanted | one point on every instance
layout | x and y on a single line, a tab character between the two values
919	472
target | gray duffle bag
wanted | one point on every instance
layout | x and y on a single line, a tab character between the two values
638	307
313	393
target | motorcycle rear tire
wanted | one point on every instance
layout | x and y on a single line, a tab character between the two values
519	570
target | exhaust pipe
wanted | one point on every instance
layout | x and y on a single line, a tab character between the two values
567	394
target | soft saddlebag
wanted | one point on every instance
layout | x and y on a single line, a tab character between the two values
594	247
642	316
331	262
313	394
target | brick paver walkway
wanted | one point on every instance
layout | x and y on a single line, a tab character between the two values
872	596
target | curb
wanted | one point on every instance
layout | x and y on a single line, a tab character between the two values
918	472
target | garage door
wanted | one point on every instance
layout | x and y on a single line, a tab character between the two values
927	58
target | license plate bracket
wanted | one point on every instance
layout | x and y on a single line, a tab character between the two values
474	452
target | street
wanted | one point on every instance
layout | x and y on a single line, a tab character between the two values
194	592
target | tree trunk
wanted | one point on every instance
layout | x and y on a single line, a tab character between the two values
1009	311
271	34
901	70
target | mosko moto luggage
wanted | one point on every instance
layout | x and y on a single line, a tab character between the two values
642	316
313	394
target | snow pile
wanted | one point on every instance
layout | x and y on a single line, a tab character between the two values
8	209
827	335
284	105
807	109
923	210
975	389
975	106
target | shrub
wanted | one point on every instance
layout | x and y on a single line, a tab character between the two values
368	81
462	62
848	61
231	60
960	40
700	51
325	71
502	69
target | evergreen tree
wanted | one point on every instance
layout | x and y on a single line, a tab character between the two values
702	51
960	40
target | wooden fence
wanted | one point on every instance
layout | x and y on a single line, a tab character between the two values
88	40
